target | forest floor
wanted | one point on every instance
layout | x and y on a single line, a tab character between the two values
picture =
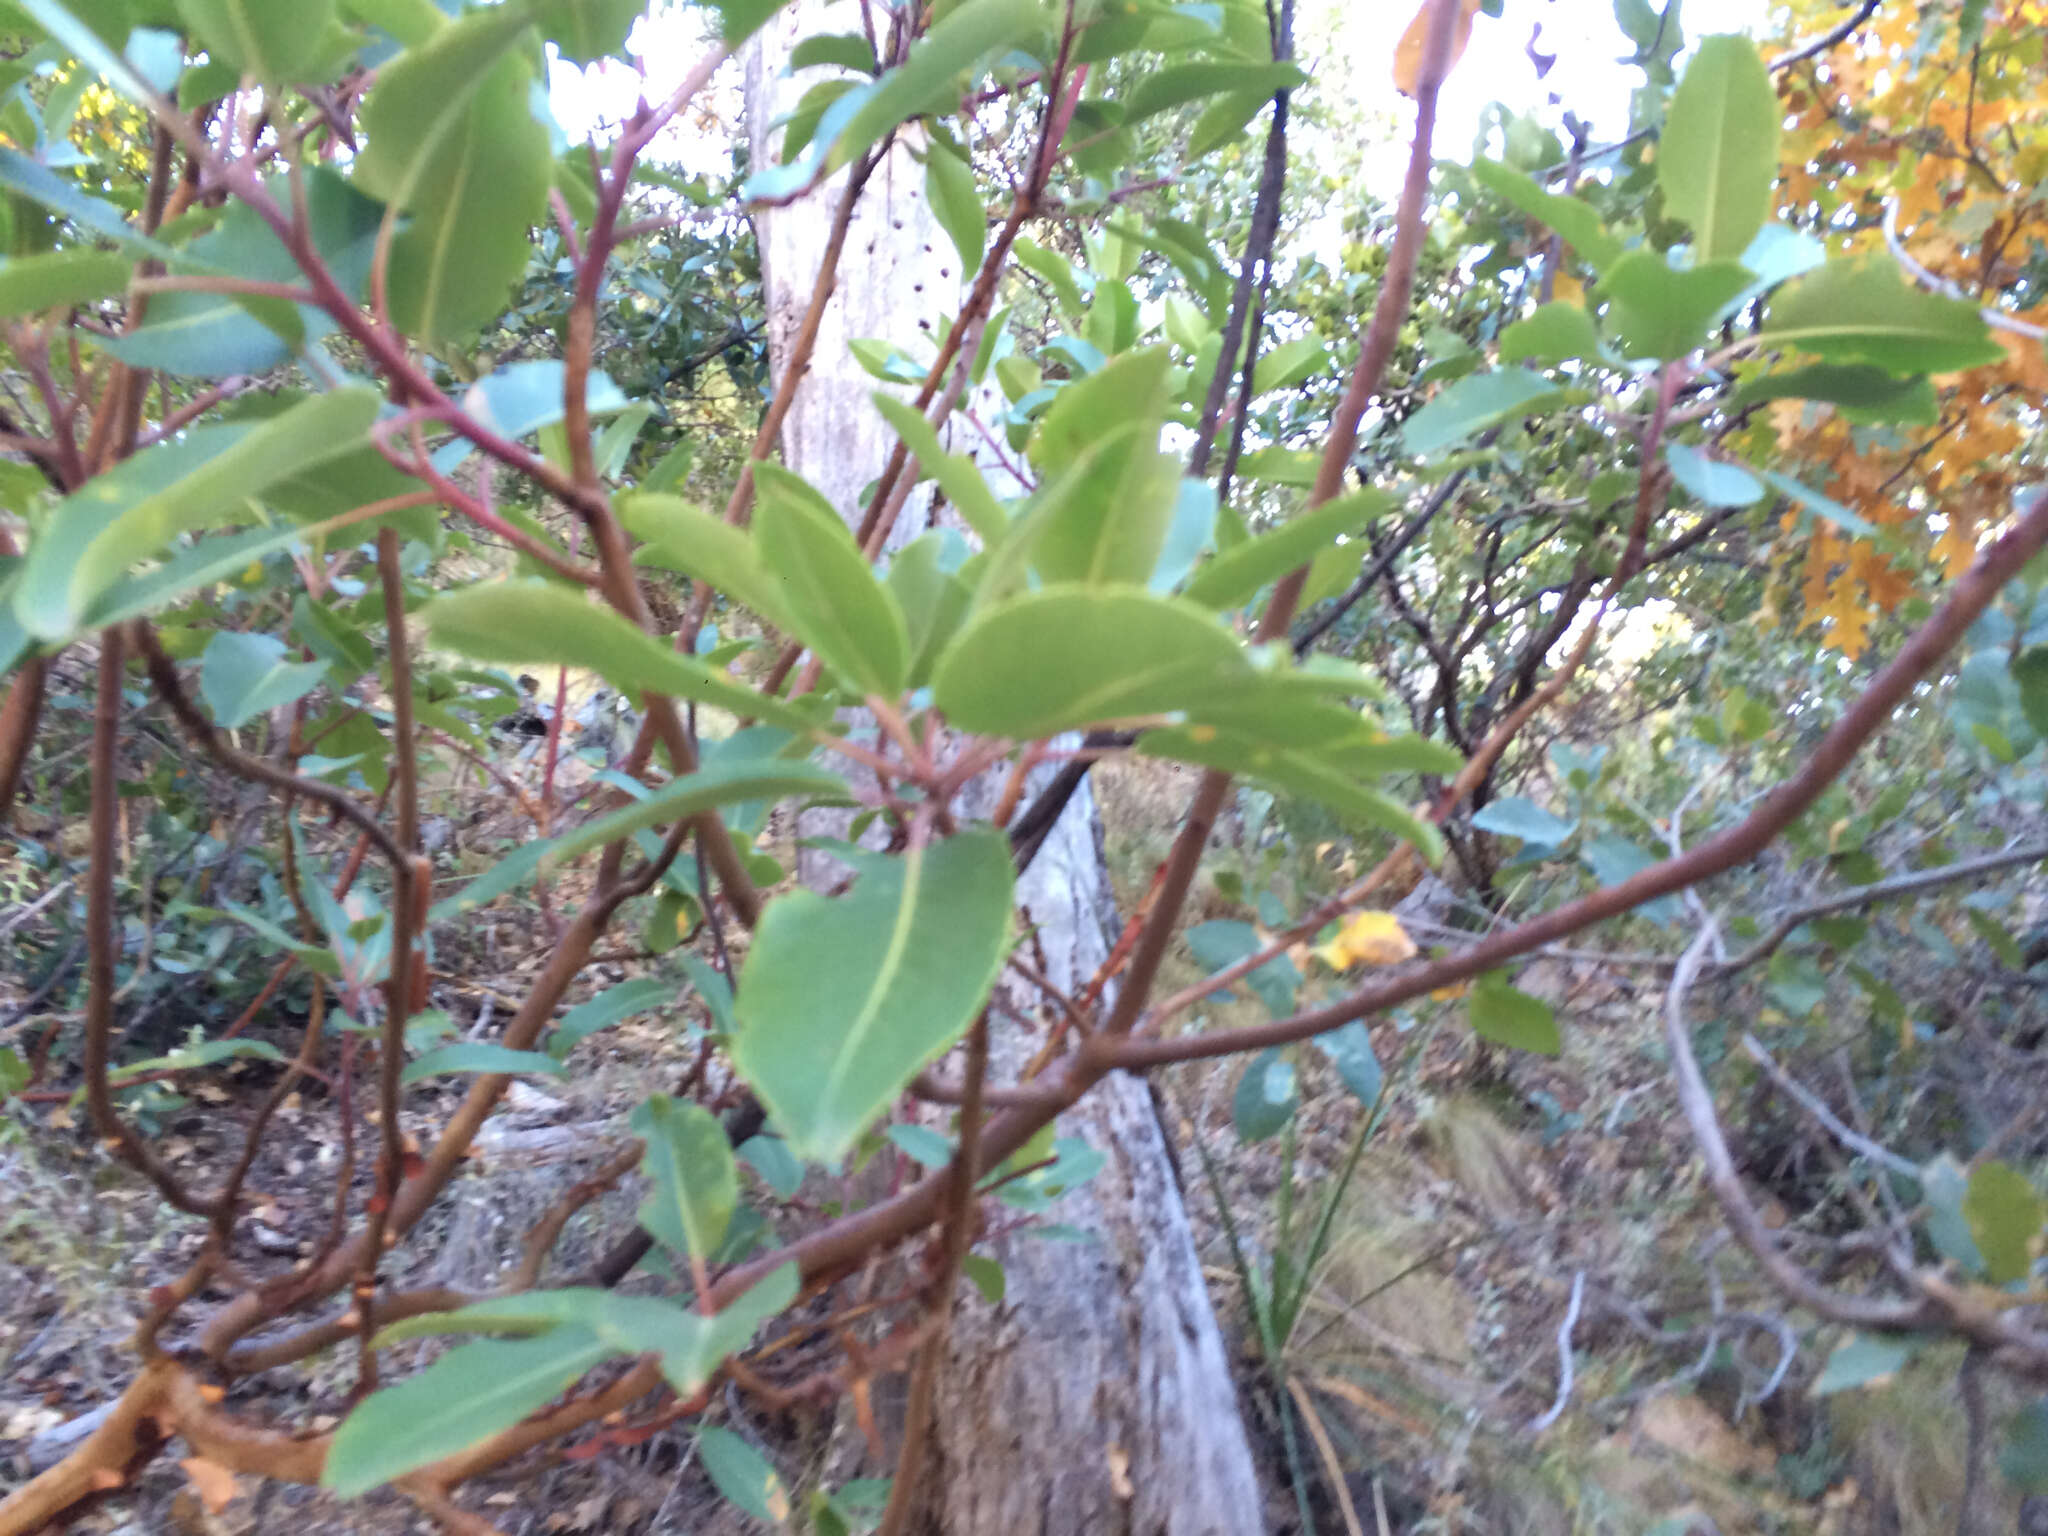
1504	1196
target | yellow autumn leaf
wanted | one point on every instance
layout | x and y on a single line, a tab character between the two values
1408	54
1367	938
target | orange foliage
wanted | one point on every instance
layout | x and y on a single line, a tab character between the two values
1956	141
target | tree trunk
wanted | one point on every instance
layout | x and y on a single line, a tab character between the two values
1097	1396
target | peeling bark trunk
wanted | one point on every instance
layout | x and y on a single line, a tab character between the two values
1097	1397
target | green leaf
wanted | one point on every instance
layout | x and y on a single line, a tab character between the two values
513	623
453	142
1224	119
714	784
1571	217
842	1002
986	1275
1864	1360
1235	577
1350	1051
1266	1098
1864	394
1515	816
770	1157
243	676
1297	467
681	537
955	198
259	37
480	1056
2030	674
206	1053
743	1475
1221	944
846	50
61	279
1321	775
933	600
1113	502
1821	506
588	30
201	478
1178	84
1471	405
1511	1018
1556	332
1945	1184
1712	482
464	1397
1860	309
1056	270
834	603
929	80
1718	155
2005	1216
1055	660
921	1144
1290	363
1661	311
643	994
62	196
956	473
696	1183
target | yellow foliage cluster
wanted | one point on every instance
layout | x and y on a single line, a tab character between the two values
1955	140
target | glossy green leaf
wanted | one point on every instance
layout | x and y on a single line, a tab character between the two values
845	50
929	79
1864	1360
1223	120
921	1144
1178	84
843	1001
1661	311
514	623
206	1053
260	37
1324	777
829	592
201	478
743	1475
1221	944
1571	217
1290	363
1718	155
242	676
1266	1098
696	1183
1116	494
956	473
643	994
453	142
1712	482
1473	404
480	1056
1825	507
955	198
1055	660
986	1275
1861	309
63	196
682	537
1349	1048
1553	334
465	1396
1057	271
1514	1019
1235	577
61	279
713	785
588	30
1864	394
2005	1216
934	601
